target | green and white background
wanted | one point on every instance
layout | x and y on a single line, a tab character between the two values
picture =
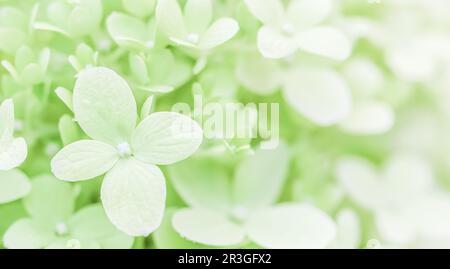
94	155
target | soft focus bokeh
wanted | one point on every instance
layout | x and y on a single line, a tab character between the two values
356	153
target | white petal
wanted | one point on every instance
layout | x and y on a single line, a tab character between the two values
13	185
198	15
133	195
104	105
292	226
166	138
27	234
267	11
83	160
170	19
306	13
361	181
6	120
218	33
259	178
369	118
348	230
395	227
207	227
325	41
273	44
13	154
321	95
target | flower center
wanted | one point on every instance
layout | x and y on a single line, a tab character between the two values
61	229
288	29
73	244
150	44
239	213
124	150
193	38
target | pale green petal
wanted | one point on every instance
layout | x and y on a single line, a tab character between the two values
83	160
104	105
325	41
14	184
13	154
170	19
291	226
72	243
85	17
207	227
133	195
166	138
6	120
369	118
198	15
27	234
259	75
259	178
218	33
361	181
51	201
66	96
12	39
270	12
128	31
395	227
348	230
306	13
165	237
320	95
202	183
139	8
91	224
274	45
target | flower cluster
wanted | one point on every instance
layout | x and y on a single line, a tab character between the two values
97	149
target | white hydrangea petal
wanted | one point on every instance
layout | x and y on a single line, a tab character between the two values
12	39
218	33
361	181
83	160
306	13
259	75
166	138
104	105
207	227
6	120
202	183
348	230
13	154
369	118
133	196
198	15
291	226
127	31
139	8
92	224
170	19
432	217
51	201
27	234
259	178
274	45
320	95
395	227
270	12
325	41
14	184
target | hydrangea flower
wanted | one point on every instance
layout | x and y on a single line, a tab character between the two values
192	27
407	207
52	222
286	30
13	151
133	191
228	212
13	29
70	17
29	68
